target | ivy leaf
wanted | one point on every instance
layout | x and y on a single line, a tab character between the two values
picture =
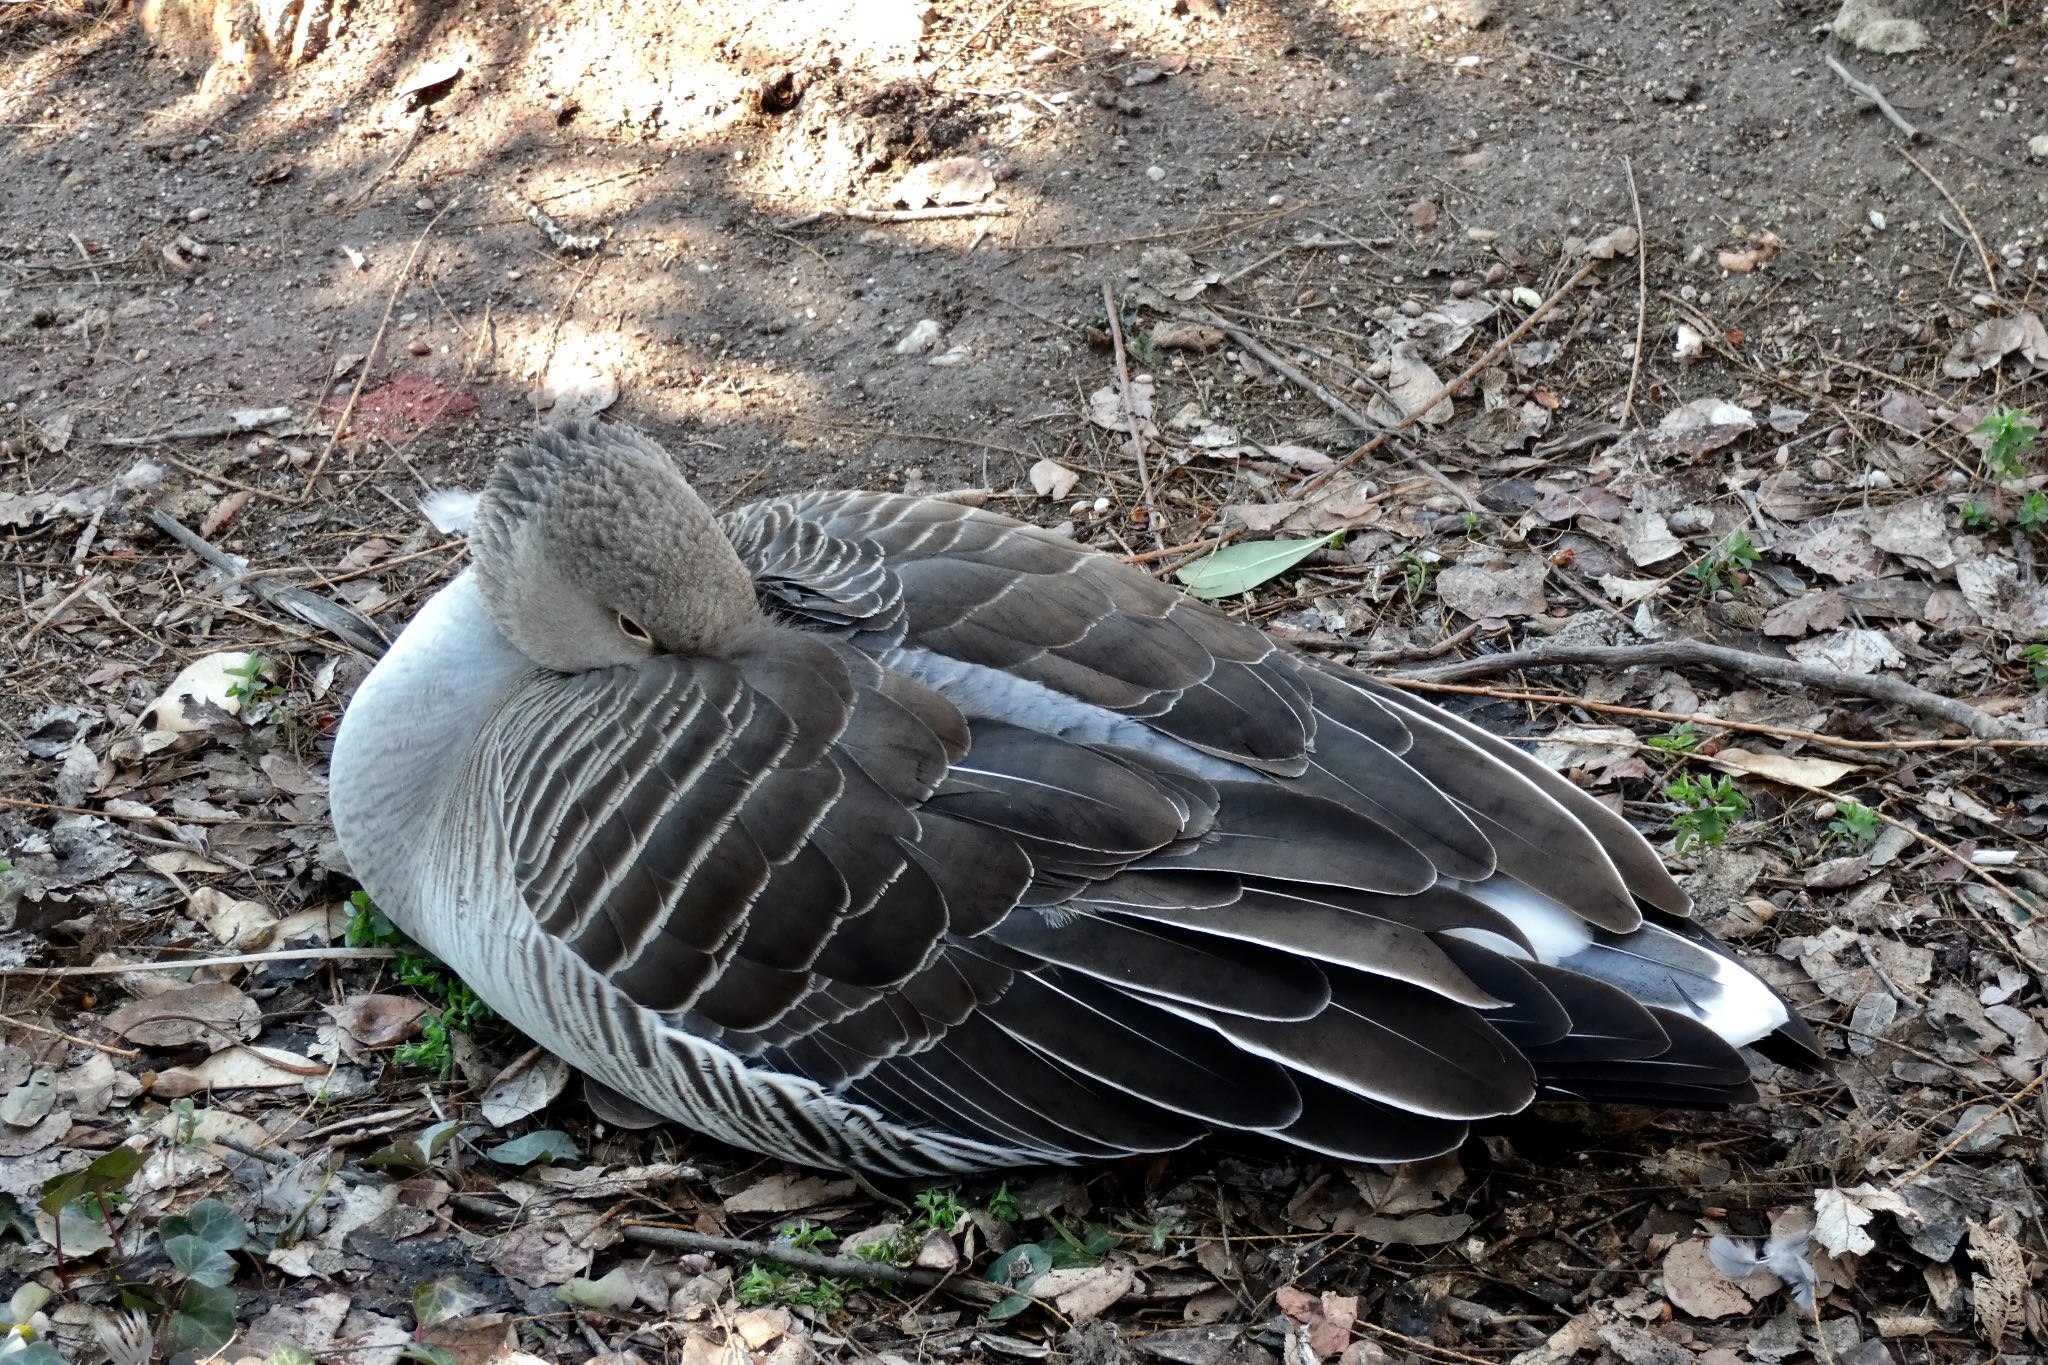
1242	567
545	1145
36	1353
209	1221
108	1172
205	1320
199	1261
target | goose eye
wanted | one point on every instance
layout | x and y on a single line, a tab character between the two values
633	630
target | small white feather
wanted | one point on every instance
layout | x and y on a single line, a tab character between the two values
451	510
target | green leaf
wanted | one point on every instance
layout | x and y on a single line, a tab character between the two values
211	1222
444	1299
199	1260
36	1353
1009	1308
416	1154
284	1353
426	1354
109	1171
545	1145
1242	567
1020	1265
205	1320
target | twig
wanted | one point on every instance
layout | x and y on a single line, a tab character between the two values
54	612
1960	1138
859	215
1983	256
816	1262
969	41
231	960
86	256
1168	551
1748	727
1876	96
234	424
1337	405
1635	366
575	244
370	359
1327	640
342	623
1123	379
1739	662
1493	353
128	1052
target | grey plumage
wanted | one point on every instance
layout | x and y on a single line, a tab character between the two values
879	832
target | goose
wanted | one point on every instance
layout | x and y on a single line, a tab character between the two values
886	834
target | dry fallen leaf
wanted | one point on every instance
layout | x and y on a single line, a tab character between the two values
238	1068
1696	1287
1743	259
786	1192
530	1084
379	1020
212	1013
1051	479
1794	770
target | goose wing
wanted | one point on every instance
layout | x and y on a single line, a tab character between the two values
1058	948
1001	612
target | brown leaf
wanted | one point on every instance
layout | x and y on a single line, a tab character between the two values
1743	259
786	1192
213	1013
379	1020
1697	1289
237	1068
1794	770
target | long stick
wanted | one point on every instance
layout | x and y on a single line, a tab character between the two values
1740	662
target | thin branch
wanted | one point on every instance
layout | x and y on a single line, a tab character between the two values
1335	404
816	1262
1123	379
1960	1138
1747	727
1983	256
186	964
370	359
923	215
1635	367
1741	663
1874	95
1493	353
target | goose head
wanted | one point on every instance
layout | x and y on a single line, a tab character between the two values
591	551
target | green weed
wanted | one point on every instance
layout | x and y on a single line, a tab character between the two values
461	1009
1724	565
941	1210
1854	822
1709	807
765	1283
1681	738
2012	437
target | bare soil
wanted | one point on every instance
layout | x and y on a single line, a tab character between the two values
343	250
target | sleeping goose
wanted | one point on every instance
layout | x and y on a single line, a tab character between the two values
882	833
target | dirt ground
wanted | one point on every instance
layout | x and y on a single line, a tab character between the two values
1719	340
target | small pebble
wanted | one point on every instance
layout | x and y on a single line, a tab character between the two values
423	204
1496	272
198	215
418	347
1463	289
142	355
1155	174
